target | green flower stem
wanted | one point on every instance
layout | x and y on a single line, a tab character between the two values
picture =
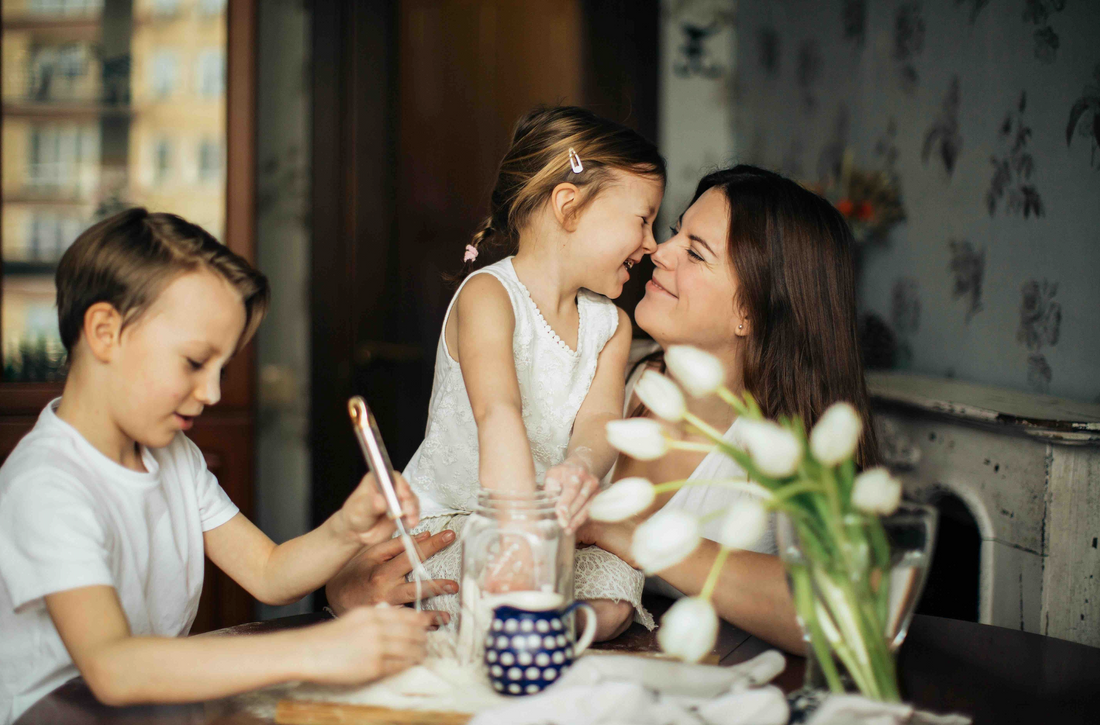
715	571
730	483
794	489
703	427
804	605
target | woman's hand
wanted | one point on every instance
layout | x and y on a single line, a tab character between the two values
376	575
613	537
363	515
575	486
366	644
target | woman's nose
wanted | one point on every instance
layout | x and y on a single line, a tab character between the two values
664	255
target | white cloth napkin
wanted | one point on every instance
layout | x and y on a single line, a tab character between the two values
611	689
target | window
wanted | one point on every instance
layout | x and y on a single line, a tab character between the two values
210	160
165	7
162	161
59	155
65	7
210	73
211	7
162	75
56	70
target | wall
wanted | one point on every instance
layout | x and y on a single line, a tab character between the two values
283	244
995	276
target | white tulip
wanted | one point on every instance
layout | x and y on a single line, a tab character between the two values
836	435
624	499
876	492
774	449
744	524
661	395
639	438
699	372
664	540
689	629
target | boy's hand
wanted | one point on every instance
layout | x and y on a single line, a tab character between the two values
573	482
366	644
364	513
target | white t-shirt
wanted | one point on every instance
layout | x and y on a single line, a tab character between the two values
70	517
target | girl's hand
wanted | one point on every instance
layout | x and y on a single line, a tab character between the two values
364	513
572	481
612	537
366	644
377	576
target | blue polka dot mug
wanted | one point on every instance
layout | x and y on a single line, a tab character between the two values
529	643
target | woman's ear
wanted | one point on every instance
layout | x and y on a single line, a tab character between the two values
102	330
563	200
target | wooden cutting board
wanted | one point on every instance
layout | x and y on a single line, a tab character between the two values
304	712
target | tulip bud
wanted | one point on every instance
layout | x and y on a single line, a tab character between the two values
699	372
836	435
774	450
689	629
661	395
664	540
626	498
876	492
638	438
744	524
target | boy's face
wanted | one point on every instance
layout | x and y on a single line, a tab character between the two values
169	362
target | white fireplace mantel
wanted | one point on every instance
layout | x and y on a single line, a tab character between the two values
1028	468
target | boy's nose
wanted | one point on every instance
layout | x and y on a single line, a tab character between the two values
210	392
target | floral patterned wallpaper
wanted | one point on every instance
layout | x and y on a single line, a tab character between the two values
987	112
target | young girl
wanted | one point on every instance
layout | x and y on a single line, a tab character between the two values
531	360
106	508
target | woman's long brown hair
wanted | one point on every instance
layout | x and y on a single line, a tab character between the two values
792	253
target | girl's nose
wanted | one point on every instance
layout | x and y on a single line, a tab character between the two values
649	244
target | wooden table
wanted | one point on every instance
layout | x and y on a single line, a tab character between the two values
993	674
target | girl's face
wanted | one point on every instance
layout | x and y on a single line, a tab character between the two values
169	362
690	299
615	231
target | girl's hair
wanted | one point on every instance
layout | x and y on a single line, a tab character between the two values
538	160
129	258
792	252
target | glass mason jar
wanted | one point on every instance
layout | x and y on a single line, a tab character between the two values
512	542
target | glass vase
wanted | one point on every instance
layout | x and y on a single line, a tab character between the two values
855	585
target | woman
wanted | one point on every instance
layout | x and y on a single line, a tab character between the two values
759	274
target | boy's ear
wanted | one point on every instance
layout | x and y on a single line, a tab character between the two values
563	200
102	330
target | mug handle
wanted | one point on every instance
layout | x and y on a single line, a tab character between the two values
589	626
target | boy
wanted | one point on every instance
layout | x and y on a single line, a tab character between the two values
106	508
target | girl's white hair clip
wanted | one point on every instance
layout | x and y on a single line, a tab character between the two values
575	161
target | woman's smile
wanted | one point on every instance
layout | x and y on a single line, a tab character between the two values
656	287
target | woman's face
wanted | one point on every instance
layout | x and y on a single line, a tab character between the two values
690	300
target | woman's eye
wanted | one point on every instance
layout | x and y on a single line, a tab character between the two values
694	255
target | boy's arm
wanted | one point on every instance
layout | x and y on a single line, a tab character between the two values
285	573
121	669
589	456
486	325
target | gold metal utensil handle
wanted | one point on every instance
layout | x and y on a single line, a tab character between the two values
374	451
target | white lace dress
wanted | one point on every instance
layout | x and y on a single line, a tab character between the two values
553	382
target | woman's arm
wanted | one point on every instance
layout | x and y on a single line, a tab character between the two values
752	590
589	456
121	669
485	326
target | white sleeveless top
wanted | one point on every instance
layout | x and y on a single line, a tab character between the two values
553	382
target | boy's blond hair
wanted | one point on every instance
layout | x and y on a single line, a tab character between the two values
128	259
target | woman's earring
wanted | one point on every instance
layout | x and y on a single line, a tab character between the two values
741	326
